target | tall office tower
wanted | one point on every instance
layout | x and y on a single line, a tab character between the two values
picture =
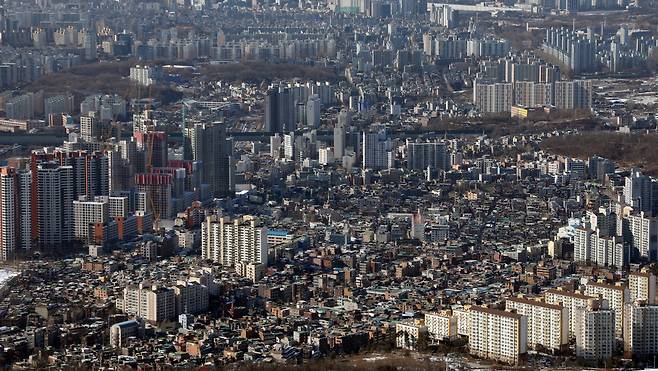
594	327
498	335
208	144
375	151
616	296
423	155
344	118
569	300
496	97
642	233
574	94
87	213
55	192
548	325
599	167
90	44
275	146
344	122
231	242
272	124
279	110
642	286
339	143
638	191
155	147
15	216
640	329
157	190
313	106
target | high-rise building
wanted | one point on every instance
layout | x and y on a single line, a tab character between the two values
151	303
91	44
640	329
575	94
497	334
55	191
638	191
492	97
145	75
92	128
442	325
642	286
591	246
279	110
313	106
230	242
616	296
207	143
87	213
569	300
594	327
375	151
15	215
574	51
191	297
423	155
548	325
642	232
157	190
91	172
155	147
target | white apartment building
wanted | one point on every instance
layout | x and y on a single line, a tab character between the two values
640	329
570	301
498	335
591	247
463	320
152	303
229	242
616	295
144	75
442	325
191	297
643	234
408	335
595	331
548	324
642	286
326	156
493	97
86	213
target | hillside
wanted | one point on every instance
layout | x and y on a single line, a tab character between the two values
640	150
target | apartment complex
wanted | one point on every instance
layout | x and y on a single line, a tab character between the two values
616	295
497	334
230	242
642	286
570	301
594	327
640	329
441	325
548	325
